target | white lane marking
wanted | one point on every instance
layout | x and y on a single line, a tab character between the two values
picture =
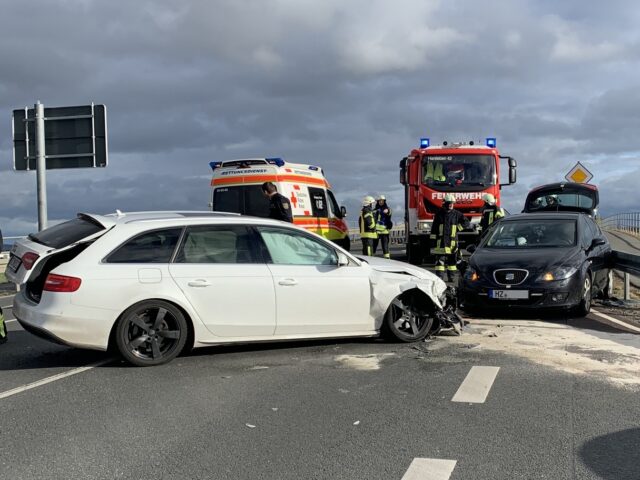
429	469
9	321
53	378
476	386
8	307
615	321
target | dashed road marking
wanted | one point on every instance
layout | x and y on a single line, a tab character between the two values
429	469
476	386
53	378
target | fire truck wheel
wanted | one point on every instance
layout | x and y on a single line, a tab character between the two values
408	318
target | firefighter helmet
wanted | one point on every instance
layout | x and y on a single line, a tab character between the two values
381	197
449	198
488	198
368	200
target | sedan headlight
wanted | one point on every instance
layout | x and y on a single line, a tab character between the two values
472	274
559	273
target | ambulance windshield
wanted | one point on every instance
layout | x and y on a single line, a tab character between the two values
457	170
244	199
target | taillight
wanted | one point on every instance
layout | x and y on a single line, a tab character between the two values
28	259
61	283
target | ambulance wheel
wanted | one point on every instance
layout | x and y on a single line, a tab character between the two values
346	244
406	319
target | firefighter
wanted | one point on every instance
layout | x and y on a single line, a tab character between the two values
383	225
3	329
279	205
490	212
367	224
444	235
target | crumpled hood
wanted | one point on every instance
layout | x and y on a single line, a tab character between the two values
393	266
390	278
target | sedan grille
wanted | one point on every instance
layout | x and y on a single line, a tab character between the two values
510	276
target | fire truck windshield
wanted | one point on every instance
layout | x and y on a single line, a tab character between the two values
458	170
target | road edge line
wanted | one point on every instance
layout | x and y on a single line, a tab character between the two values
615	323
53	378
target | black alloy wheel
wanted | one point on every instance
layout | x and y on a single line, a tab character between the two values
405	322
584	307
151	333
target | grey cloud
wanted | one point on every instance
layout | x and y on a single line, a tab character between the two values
350	87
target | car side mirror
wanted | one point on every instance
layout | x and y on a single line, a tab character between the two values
471	248
343	211
343	260
596	242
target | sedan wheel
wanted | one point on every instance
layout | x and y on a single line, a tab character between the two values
405	322
151	333
584	307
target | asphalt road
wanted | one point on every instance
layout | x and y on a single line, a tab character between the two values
561	403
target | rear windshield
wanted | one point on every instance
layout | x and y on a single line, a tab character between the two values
66	233
245	199
533	234
545	202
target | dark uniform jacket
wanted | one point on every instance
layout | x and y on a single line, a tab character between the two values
444	230
280	208
490	213
367	223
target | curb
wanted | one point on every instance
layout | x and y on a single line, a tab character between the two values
614	322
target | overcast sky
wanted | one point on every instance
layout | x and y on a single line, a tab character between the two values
347	85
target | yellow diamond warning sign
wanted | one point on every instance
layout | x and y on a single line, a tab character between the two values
579	174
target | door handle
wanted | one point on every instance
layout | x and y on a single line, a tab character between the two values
288	282
199	283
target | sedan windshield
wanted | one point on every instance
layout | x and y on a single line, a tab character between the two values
533	234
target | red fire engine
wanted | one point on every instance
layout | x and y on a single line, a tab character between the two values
466	170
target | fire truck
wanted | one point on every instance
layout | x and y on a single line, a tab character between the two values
467	170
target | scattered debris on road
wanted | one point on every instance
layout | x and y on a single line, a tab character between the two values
559	346
363	362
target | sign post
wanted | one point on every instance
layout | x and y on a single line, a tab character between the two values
60	137
41	167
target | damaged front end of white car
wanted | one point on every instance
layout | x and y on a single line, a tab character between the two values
409	303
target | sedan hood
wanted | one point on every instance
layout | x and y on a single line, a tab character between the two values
393	266
390	278
533	259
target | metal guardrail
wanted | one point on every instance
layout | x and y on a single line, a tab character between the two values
623	222
396	235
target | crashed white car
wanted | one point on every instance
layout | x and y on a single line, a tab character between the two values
153	284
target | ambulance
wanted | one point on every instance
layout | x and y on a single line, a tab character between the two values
236	188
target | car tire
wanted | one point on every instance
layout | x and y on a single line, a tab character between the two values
584	307
405	322
151	333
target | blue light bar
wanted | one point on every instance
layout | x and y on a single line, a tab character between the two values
275	161
215	165
424	142
315	169
491	142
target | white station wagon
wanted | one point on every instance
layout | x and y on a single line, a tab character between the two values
153	284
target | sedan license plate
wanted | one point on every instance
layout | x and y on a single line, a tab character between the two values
14	263
509	294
